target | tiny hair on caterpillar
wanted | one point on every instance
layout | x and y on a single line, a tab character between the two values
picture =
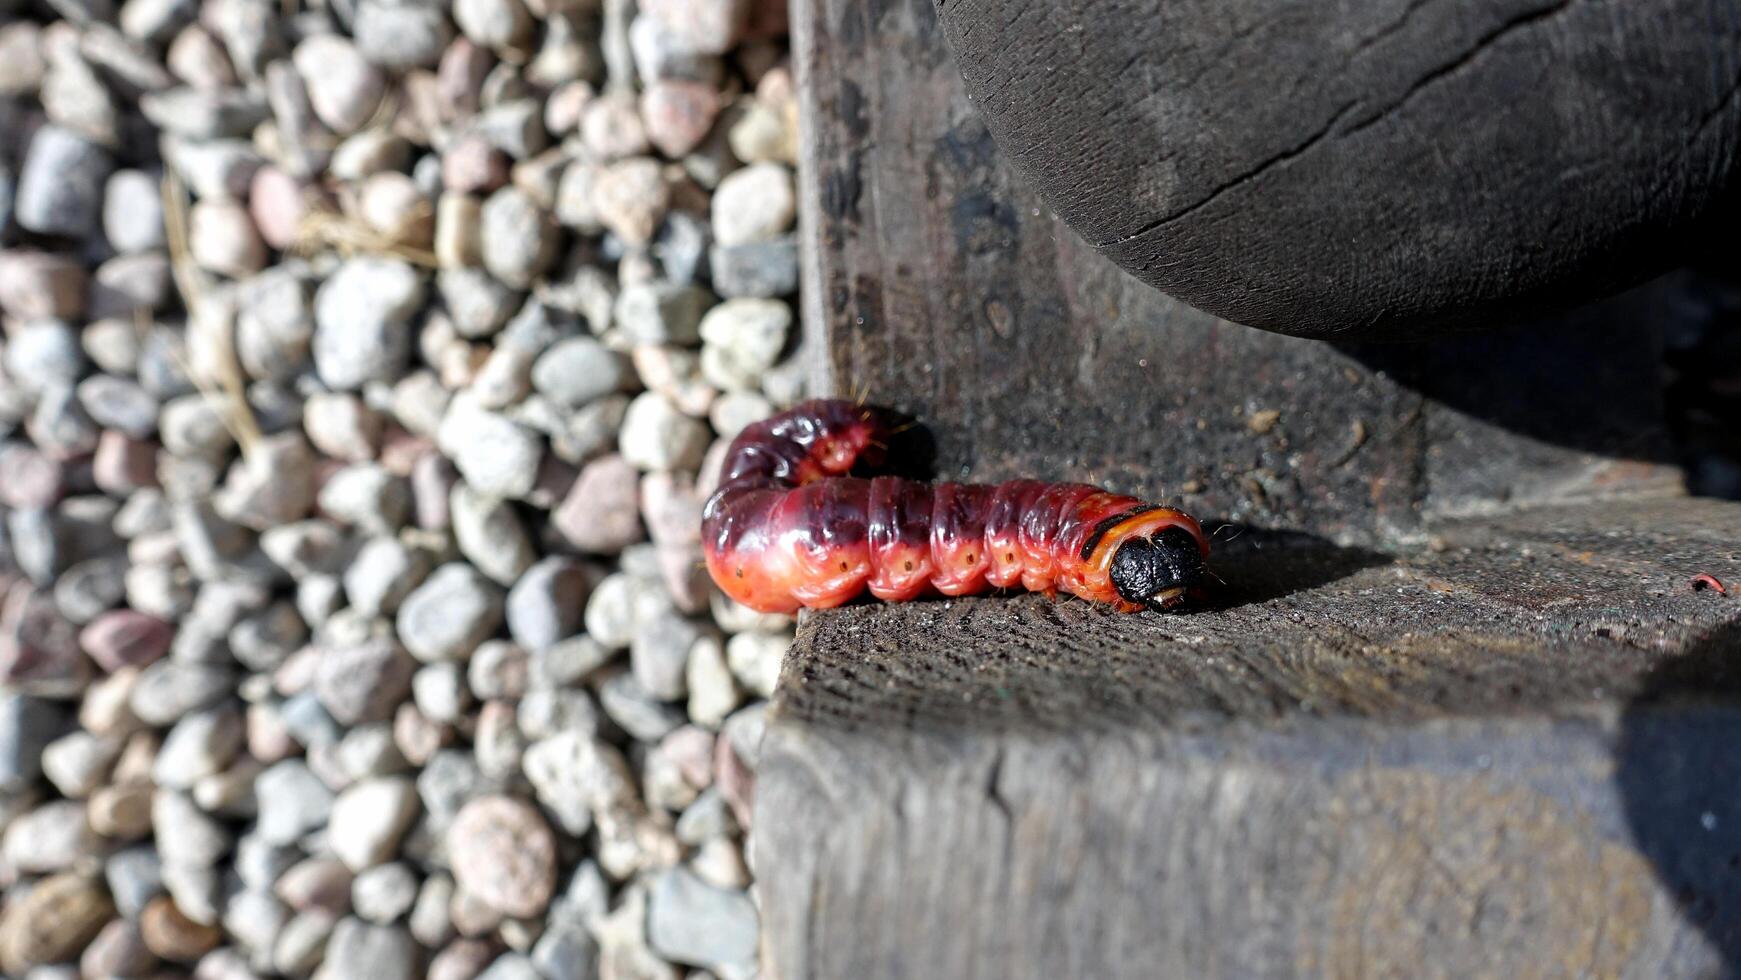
791	525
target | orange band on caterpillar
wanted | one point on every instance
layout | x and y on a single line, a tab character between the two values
789	527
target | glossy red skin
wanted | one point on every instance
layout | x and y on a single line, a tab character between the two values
789	528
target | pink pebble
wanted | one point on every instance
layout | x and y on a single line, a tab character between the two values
126	638
276	204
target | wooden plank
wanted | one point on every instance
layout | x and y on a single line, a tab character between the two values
1509	755
1396	745
938	283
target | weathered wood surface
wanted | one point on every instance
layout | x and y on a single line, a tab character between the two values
1508	754
937	282
1385	168
1398	744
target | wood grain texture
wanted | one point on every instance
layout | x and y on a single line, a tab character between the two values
1387	168
1503	756
937	282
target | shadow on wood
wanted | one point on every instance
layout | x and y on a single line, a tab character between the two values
1678	769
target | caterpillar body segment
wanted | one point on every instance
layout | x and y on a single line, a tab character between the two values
791	526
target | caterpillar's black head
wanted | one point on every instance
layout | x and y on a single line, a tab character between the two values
1156	571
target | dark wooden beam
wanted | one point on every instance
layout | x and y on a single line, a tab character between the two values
1456	709
1510	756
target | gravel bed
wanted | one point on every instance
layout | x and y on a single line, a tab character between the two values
362	369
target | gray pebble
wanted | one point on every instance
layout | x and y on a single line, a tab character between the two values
490	534
401	33
538	325
361	949
574	197
343	87
610	612
478	302
201	744
364	681
318	597
681	247
568	662
59	424
162	355
755	204
731	413
708	818
449	780
264	640
60	186
496	455
306	548
112	345
192	425
133	212
302	942
163	591
342	426
369	818
516	127
659	654
383	573
274	325
384	893
186	836
134	877
766	269
500	24
368	751
54	836
90	588
368	496
369	152
307	721
546	604
572	776
637	711
419	402
662	53
497	670
450	614
566	951
579	370
155	20
213	169
691	921
744	338
430	922
713	691
656	436
204	114
169	689
661	312
519	238
546	712
361	331
27	726
504	379
119	403
293	801
43	355
254	919
132	285
441	693
511	966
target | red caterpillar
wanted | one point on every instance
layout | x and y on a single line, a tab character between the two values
788	528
